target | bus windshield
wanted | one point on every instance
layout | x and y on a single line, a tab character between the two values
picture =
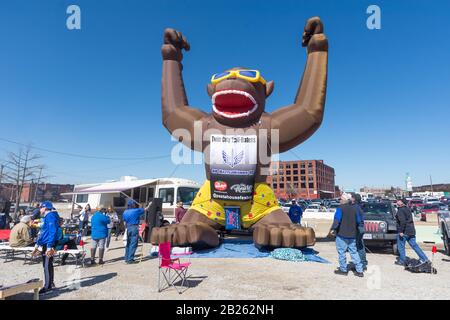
186	194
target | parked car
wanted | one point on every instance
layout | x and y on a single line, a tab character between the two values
432	200
380	225
286	206
444	228
415	204
314	207
333	206
427	209
443	206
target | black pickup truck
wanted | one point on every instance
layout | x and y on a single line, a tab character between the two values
380	225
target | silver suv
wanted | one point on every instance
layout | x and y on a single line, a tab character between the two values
444	227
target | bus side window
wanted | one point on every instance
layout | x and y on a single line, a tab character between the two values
167	195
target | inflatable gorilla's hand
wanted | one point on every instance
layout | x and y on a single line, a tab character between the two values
313	36
174	43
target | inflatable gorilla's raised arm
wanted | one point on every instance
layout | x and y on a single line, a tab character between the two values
238	96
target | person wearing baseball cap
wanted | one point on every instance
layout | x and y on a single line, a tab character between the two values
132	217
407	233
345	226
47	242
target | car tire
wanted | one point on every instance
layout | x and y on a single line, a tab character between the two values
446	243
395	248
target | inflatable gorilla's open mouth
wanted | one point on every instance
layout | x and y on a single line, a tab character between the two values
233	103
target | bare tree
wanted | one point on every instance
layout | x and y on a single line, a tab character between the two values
22	168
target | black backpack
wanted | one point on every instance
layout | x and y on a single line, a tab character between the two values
415	266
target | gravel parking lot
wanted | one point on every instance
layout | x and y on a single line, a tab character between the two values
263	278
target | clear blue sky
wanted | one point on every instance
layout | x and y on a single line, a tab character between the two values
96	91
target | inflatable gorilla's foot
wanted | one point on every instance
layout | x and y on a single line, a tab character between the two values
195	230
285	236
276	231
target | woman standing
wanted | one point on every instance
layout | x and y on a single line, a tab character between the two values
84	219
114	219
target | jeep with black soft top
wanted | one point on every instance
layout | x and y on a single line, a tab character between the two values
380	226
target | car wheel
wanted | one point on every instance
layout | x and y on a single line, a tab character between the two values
446	243
395	248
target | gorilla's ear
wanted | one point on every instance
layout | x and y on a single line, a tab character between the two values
269	88
210	89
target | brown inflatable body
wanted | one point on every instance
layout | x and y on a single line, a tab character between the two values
295	123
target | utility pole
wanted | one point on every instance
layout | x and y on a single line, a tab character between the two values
1	178
37	185
30	192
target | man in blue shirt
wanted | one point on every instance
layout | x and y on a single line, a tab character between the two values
99	233
132	217
295	213
46	243
347	221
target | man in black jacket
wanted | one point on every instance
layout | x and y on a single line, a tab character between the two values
347	220
406	233
356	202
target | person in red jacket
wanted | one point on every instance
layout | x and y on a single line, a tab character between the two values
179	212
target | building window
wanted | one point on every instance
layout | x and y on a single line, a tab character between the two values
167	195
295	172
303	185
136	194
295	178
311	185
288	178
82	198
295	165
151	194
302	172
281	185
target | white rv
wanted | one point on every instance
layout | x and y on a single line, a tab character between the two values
117	193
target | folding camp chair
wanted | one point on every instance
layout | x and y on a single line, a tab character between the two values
171	268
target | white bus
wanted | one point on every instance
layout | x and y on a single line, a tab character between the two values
117	194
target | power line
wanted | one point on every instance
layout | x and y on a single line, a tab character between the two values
83	156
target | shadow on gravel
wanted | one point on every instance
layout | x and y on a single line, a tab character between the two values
325	240
77	284
192	281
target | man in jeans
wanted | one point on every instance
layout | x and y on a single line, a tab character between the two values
347	220
356	202
132	217
99	227
406	233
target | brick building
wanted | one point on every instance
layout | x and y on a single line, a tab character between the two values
307	179
33	192
44	191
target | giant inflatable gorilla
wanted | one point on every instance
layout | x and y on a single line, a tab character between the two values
238	100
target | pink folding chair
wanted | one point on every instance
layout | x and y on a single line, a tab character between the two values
170	268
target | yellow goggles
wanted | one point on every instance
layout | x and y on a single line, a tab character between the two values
249	75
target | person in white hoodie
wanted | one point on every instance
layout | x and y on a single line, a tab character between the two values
84	219
114	219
